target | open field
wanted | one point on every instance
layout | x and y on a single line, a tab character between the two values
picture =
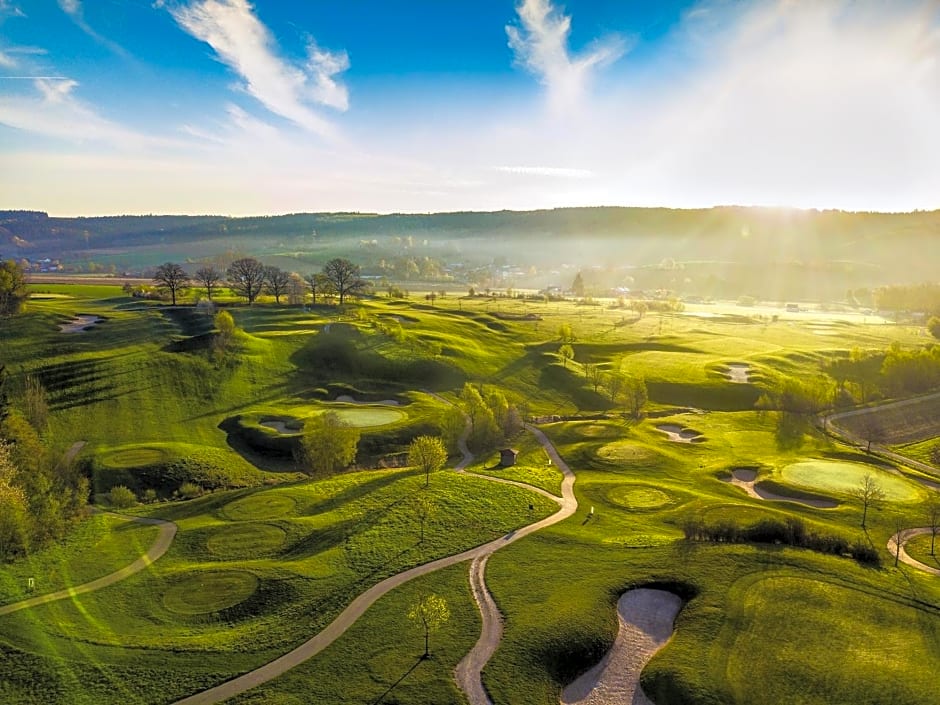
267	557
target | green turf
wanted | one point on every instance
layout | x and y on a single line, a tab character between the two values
831	476
206	592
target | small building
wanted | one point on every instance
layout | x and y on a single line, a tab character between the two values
507	457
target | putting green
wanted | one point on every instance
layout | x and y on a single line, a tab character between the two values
364	417
133	457
833	476
203	593
246	540
598	430
261	505
638	497
624	452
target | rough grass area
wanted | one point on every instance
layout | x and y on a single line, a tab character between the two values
903	424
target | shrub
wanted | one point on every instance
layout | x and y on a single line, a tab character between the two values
189	490
121	497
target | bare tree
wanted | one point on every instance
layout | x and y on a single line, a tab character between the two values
424	509
898	537
173	278
593	372
319	284
871	429
933	521
210	278
345	278
635	396
246	277
869	493
296	290
276	281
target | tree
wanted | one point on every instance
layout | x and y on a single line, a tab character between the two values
635	396
121	497
593	373
13	289
13	506
871	429
344	275
210	278
320	284
171	277
869	493
429	454
565	334
431	612
424	508
276	281
296	290
225	325
577	286
246	277
566	352
933	521
35	403
329	443
933	325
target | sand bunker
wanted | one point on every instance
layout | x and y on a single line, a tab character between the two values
345	398
279	426
745	479
646	622
739	373
79	324
679	434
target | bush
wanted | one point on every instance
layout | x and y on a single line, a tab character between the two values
189	490
933	325
121	497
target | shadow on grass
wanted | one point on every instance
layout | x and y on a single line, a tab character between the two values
394	685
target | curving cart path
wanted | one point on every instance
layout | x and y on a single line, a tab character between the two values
160	546
358	606
906	536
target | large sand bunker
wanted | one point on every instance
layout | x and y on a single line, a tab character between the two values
79	324
680	434
646	619
739	373
745	478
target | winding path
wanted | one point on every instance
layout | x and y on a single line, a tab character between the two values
160	546
358	606
906	536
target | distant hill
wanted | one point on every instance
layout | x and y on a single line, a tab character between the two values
870	249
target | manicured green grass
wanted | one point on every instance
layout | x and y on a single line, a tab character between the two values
919	549
209	591
831	476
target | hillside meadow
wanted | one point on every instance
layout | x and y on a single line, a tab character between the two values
265	556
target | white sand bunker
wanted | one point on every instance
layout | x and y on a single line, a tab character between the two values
739	373
79	324
679	434
646	622
352	400
745	478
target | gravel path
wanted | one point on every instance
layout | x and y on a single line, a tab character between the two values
160	546
906	536
646	622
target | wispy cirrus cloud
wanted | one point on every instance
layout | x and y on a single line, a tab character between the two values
75	10
243	43
540	44
550	171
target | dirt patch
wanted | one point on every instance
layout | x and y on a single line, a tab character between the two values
646	622
80	324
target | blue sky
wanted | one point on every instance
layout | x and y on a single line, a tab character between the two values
238	107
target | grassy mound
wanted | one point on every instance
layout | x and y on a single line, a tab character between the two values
830	476
638	497
165	466
261	506
624	452
246	541
208	592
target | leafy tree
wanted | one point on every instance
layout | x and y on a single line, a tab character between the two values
296	290
427	453
869	493
319	284
565	334
246	277
210	278
13	289
329	443
121	497
35	403
933	325
225	325
276	281
172	278
431	612
13	506
635	396
344	275
594	373
577	286
566	352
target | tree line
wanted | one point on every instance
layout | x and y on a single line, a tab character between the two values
248	278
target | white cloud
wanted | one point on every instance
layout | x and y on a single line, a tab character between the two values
245	44
551	171
75	10
541	46
7	61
